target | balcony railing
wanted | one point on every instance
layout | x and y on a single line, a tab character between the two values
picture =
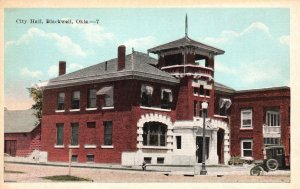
189	68
271	129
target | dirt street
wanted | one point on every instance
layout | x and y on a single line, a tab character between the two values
33	173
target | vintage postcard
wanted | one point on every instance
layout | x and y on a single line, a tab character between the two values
182	94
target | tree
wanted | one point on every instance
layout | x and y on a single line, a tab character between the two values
36	94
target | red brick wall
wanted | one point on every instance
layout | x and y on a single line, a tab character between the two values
124	117
26	142
259	101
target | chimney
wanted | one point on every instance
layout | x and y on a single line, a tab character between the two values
62	68
121	57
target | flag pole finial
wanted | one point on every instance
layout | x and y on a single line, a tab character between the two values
186	25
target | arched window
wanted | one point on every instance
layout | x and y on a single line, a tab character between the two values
154	134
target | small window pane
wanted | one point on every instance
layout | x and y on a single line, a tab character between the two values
247	145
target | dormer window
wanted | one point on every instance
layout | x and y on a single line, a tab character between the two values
146	95
166	98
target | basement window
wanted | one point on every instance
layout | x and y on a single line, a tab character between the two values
74	158
90	158
147	160
160	160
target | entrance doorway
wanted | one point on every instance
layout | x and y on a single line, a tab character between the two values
199	143
10	147
220	145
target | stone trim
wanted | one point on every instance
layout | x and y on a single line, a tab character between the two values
155	117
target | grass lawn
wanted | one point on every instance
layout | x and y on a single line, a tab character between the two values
8	171
66	178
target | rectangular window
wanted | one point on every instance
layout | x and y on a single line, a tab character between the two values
273	118
147	160
160	160
90	158
75	100
246	118
272	141
195	108
146	95
107	132
59	134
91	125
196	90
74	136
109	98
201	90
61	101
178	142
246	148
92	98
207	92
74	158
166	98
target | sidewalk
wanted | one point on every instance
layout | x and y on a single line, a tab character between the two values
166	169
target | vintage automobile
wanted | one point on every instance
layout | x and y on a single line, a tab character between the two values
274	158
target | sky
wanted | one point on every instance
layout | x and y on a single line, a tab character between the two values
255	41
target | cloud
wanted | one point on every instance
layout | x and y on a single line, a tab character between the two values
29	73
53	69
94	33
220	67
256	72
64	43
229	35
140	43
284	40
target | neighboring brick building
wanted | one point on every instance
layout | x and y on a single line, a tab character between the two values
135	108
22	132
259	118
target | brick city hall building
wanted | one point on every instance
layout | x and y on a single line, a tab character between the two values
135	108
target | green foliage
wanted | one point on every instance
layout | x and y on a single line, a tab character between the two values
64	178
36	94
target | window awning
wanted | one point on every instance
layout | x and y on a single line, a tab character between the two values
225	102
104	90
147	89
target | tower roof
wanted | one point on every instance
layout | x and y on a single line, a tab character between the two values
185	42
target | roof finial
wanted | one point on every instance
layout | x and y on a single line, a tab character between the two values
186	25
